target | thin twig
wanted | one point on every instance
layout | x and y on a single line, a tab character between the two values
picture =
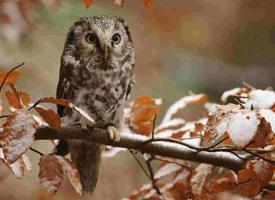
36	151
152	176
139	163
7	75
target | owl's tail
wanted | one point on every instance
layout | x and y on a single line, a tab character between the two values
86	156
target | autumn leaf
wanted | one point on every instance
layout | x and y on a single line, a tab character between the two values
18	134
199	99
142	115
19	166
15	102
50	173
72	173
12	77
247	182
51	117
66	103
198	180
88	3
148	3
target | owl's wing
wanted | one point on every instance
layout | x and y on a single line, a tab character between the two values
130	86
64	86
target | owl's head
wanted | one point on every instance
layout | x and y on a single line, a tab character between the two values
102	41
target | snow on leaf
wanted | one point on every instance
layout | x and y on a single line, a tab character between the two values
260	99
172	124
228	93
110	151
50	117
18	166
199	99
143	112
269	116
51	173
72	173
11	78
18	134
88	3
242	128
167	169
198	180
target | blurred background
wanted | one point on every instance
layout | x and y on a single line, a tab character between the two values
200	45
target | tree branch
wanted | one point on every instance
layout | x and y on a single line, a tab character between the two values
131	141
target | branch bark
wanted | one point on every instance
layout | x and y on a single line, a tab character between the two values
133	141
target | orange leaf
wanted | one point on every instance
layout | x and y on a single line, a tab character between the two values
148	3
50	173
143	113
11	78
18	134
50	117
88	3
14	101
248	182
61	102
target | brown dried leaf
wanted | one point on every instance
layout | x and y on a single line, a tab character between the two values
72	173
15	102
18	134
247	182
118	3
11	78
143	113
61	102
67	103
198	180
50	117
180	191
51	173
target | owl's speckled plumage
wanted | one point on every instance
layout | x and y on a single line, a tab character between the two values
96	81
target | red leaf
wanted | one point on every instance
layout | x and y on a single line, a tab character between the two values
18	134
88	3
50	117
51	173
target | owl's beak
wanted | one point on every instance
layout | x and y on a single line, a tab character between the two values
106	52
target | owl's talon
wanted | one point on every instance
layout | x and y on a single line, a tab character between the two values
113	133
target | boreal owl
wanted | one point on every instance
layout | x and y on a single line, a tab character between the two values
96	74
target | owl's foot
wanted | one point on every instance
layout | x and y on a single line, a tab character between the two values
113	133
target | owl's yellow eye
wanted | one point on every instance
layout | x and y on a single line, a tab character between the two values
116	38
91	38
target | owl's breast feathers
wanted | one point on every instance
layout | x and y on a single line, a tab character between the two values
100	92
